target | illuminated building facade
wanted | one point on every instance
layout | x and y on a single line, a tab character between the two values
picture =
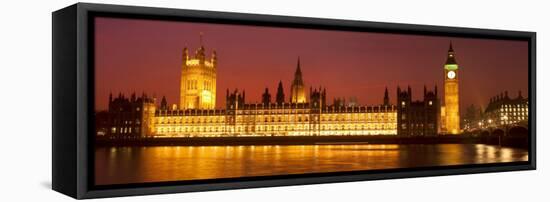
417	117
279	118
198	80
503	110
274	119
301	115
450	112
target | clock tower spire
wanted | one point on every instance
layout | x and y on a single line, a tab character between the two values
451	118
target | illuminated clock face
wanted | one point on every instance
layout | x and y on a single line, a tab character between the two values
451	74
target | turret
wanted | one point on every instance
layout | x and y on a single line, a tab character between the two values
386	98
214	59
425	90
200	53
235	100
280	99
266	97
316	98
324	97
400	92
185	55
409	91
163	104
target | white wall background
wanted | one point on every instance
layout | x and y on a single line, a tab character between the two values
25	99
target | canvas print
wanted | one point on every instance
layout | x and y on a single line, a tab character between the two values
188	101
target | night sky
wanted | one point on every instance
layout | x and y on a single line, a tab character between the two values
145	56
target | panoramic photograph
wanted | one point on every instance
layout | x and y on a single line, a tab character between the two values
181	101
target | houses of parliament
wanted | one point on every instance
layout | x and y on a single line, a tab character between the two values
303	112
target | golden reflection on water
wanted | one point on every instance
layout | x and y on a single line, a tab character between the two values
121	165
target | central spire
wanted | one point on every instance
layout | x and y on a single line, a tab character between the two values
298	70
297	89
298	74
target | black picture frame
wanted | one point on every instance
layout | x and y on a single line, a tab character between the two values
73	93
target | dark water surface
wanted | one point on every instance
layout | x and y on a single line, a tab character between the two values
121	165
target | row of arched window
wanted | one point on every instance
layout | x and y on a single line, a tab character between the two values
376	117
277	128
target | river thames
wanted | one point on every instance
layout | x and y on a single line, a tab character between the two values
122	165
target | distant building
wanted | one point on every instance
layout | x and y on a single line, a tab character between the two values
126	117
417	117
502	110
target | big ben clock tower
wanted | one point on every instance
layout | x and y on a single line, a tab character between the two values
451	113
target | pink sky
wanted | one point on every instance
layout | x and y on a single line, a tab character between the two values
145	56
